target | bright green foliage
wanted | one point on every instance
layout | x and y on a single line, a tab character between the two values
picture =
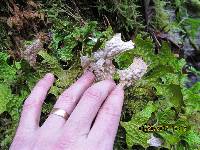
134	135
186	19
160	97
191	26
125	13
22	77
7	71
65	77
7	77
5	96
161	18
192	98
69	35
164	87
9	102
66	39
18	78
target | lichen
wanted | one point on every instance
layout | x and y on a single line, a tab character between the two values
31	51
154	141
134	72
101	62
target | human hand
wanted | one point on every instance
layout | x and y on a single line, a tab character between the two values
94	109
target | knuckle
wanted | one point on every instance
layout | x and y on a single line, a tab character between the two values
61	145
86	79
93	93
40	86
107	83
65	142
67	102
117	92
19	138
67	96
111	82
24	130
110	111
89	78
29	103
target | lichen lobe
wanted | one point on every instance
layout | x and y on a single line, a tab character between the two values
100	63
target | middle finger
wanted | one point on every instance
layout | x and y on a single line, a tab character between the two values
80	120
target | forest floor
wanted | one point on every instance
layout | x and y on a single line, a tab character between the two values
43	36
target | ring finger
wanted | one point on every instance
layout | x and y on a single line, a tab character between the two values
68	100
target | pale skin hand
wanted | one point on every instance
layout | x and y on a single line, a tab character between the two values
94	109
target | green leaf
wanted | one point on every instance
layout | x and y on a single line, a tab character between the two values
191	98
8	72
133	134
66	39
164	82
5	97
65	77
166	116
193	138
170	139
143	50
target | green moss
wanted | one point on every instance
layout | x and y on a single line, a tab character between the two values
163	87
124	15
161	18
160	97
194	6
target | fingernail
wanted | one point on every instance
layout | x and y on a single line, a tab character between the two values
49	76
120	85
111	80
88	73
86	70
86	76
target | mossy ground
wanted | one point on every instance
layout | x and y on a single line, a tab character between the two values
162	30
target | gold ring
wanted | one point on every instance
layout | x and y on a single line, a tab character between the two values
60	112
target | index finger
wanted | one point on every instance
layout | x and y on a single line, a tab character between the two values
30	115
